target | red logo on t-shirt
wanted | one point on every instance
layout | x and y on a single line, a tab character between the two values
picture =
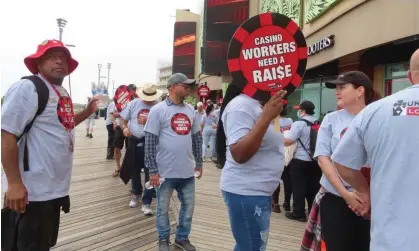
181	124
343	132
142	116
65	112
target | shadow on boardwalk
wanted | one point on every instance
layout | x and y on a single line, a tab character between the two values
100	218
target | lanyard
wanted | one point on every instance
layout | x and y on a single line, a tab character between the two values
66	103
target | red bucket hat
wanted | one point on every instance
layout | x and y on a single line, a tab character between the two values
31	63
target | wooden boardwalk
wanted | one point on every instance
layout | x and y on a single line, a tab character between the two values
100	218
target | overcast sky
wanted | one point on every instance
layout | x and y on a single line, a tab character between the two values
133	35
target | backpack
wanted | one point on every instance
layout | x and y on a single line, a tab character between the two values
314	129
43	96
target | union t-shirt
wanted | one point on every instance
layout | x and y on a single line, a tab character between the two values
174	125
331	130
136	113
385	135
260	175
50	160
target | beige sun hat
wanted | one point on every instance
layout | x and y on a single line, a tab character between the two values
149	92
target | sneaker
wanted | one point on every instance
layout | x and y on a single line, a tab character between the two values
164	245
276	208
147	210
184	245
134	201
91	136
295	217
87	135
286	206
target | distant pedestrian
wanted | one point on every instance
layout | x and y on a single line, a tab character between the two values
90	122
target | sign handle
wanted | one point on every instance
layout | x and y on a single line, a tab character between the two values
277	126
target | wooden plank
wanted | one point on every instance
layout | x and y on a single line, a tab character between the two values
100	218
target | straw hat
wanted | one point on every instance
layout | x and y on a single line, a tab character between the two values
149	92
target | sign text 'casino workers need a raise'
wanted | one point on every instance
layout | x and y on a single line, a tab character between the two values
267	53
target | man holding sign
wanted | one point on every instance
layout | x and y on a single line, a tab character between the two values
173	151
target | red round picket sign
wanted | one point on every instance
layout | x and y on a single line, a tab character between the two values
267	53
123	96
203	91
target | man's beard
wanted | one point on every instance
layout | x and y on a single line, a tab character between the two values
57	81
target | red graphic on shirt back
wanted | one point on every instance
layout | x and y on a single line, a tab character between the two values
181	124
366	171
65	112
142	116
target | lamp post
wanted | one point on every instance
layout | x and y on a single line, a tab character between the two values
109	72
61	24
99	67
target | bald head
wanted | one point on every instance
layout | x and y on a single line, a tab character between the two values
414	68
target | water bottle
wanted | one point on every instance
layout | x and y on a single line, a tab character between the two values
197	174
149	186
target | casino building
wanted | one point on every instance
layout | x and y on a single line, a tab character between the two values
374	36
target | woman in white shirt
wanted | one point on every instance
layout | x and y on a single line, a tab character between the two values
208	130
254	160
342	229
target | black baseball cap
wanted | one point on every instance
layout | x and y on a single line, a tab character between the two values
132	87
351	77
307	106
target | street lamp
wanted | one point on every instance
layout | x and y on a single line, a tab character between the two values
61	24
99	67
109	72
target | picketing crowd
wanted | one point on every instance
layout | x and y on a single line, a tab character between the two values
356	171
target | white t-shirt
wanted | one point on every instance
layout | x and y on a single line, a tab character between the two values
110	110
49	158
261	174
209	120
300	130
285	124
386	135
199	115
174	125
331	130
134	113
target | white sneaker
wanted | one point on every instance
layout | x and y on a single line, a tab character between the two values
147	210
134	201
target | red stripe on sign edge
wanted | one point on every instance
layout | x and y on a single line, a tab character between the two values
296	81
292	27
241	35
303	52
234	64
265	19
249	90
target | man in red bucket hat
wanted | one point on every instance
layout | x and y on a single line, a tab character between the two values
37	142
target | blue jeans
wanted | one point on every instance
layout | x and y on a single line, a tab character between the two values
208	136
185	189
136	186
249	220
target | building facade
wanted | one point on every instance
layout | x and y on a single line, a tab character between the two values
163	74
373	36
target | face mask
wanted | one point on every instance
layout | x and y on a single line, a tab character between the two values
299	114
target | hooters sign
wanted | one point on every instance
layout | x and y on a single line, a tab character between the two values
203	91
123	96
267	53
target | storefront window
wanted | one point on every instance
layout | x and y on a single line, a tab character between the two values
396	78
314	90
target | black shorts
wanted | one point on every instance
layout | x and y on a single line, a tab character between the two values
119	138
36	229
